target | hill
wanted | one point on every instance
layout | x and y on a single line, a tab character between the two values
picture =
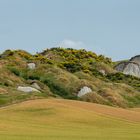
65	73
54	119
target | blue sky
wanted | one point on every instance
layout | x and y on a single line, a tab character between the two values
109	27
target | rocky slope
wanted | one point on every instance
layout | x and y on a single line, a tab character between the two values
132	67
65	73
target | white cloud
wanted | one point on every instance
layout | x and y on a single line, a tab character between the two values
72	44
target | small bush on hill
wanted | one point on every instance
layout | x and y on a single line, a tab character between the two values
71	66
25	55
122	78
14	70
57	88
7	53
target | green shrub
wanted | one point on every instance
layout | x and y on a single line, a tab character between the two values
7	53
57	89
34	77
116	77
25	55
72	66
14	70
96	73
19	72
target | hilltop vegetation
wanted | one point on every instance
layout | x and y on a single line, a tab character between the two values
61	73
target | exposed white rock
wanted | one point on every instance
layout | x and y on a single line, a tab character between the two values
27	89
35	85
103	72
31	66
136	59
85	90
132	67
120	66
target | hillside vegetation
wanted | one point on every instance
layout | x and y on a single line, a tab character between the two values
62	73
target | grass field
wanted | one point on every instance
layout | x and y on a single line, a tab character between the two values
58	119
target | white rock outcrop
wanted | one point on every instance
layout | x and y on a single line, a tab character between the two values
135	59
85	90
121	66
31	66
35	85
103	72
132	67
27	89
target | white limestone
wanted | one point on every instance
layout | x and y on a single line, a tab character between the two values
132	67
31	66
35	85
27	89
103	72
85	90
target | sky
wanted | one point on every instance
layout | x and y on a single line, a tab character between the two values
108	27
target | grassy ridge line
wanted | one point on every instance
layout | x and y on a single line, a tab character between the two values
124	114
132	115
18	102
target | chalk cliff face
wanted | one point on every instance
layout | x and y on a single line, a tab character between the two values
120	66
135	59
132	67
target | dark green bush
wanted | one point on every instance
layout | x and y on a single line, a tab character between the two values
34	77
19	72
8	53
72	66
57	89
14	70
116	77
